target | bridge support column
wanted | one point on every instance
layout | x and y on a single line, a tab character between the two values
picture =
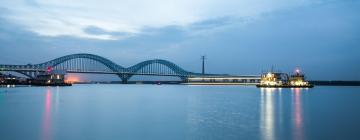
124	81
184	79
124	78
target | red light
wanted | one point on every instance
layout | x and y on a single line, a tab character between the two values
49	69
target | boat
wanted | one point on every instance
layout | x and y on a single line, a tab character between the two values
298	80
50	78
283	80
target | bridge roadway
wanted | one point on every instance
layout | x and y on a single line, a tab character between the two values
90	72
89	63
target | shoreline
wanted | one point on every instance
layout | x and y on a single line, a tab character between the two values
315	83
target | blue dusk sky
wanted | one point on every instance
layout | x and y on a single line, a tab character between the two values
243	37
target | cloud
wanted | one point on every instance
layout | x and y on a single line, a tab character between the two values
68	18
93	30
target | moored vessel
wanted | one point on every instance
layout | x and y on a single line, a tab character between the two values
282	80
298	80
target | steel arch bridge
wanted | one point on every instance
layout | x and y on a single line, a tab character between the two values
90	63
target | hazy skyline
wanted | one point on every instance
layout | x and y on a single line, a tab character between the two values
238	37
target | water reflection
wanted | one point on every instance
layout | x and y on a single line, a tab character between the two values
272	116
297	113
57	98
267	110
46	127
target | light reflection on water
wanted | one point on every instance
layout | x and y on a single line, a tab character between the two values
51	106
46	121
297	113
175	112
267	113
272	115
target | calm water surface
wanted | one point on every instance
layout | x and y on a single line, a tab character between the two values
168	112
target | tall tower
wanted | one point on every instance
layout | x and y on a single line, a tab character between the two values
203	65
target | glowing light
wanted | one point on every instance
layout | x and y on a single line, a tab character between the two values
49	69
72	79
270	79
297	70
269	75
299	83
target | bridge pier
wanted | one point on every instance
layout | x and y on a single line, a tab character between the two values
124	81
184	78
124	78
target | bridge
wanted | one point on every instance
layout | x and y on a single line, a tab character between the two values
90	63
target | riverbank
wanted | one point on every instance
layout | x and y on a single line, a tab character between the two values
335	83
316	83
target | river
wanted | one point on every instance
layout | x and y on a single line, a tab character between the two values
171	112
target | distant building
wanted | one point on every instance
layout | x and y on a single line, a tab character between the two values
8	79
2	80
223	80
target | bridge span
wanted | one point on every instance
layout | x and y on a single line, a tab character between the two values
90	63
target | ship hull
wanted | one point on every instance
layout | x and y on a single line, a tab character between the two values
284	86
52	84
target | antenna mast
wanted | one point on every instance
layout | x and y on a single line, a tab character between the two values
203	65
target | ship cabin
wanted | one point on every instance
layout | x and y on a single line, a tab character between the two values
274	79
298	79
51	77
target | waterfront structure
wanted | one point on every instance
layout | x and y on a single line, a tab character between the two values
51	77
9	79
89	63
298	79
2	79
203	65
276	79
223	80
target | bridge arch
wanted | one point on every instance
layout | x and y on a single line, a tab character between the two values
27	74
109	64
163	64
157	67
